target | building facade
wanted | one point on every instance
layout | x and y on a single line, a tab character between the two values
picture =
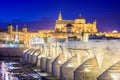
79	25
63	29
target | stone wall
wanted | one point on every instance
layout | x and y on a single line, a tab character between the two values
11	51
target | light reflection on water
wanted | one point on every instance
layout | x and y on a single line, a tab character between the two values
4	74
15	70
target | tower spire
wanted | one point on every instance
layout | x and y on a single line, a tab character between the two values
60	16
95	21
16	36
80	15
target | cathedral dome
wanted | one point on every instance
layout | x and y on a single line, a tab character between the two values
80	17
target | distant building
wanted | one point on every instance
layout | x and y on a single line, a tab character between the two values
79	25
70	30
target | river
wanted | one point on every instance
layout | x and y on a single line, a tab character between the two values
12	69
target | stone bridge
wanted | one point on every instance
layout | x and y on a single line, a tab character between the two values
93	60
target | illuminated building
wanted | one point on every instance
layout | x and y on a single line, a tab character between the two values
79	25
71	60
64	29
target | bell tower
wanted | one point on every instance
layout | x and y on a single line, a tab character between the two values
10	28
60	16
94	26
24	29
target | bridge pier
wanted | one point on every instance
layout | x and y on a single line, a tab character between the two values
30	56
49	65
41	60
35	56
56	65
24	53
112	73
43	63
27	55
89	70
67	69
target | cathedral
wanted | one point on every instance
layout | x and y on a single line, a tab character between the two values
77	25
63	30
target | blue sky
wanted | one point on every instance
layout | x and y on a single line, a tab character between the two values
41	14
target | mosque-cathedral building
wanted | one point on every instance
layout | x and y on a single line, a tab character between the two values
77	25
63	29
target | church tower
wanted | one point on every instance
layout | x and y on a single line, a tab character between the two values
10	28
60	16
24	29
94	26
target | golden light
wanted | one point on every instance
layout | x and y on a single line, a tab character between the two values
35	54
86	70
114	76
114	31
59	62
69	65
39	56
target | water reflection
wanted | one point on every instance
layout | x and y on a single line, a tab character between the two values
4	74
17	71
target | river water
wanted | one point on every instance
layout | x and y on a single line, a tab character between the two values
4	74
12	69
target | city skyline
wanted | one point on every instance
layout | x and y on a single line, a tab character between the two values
42	14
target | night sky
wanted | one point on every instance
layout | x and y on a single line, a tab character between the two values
42	14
